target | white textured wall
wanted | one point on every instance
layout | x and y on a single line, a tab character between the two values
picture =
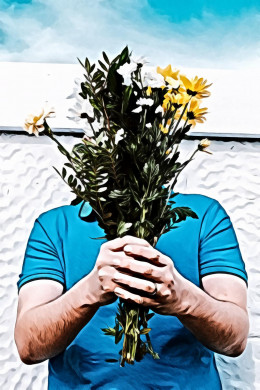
26	85
30	186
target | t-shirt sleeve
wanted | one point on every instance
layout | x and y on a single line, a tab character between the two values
219	248
41	260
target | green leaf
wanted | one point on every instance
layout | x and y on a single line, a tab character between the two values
69	165
119	336
102	189
105	57
61	149
92	68
87	65
102	65
98	75
81	63
124	55
123	227
70	179
126	96
63	173
145	330
56	171
109	331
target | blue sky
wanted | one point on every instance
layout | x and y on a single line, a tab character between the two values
195	33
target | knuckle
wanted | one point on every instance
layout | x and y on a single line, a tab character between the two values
149	288
99	265
166	293
169	283
103	271
141	251
149	271
116	261
127	237
125	263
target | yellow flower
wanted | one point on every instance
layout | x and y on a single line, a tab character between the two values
168	151
163	129
149	91
175	83
34	122
177	100
168	72
195	87
195	114
205	142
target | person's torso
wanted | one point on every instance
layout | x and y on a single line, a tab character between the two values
91	361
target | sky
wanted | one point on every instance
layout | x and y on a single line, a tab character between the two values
196	33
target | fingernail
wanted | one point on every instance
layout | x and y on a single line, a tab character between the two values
128	248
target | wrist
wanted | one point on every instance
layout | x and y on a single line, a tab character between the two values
192	298
188	296
84	294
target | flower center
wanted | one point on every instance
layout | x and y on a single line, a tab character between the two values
192	93
190	115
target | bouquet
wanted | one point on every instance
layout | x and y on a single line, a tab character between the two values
135	121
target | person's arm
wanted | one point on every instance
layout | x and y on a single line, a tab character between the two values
47	321
45	330
218	316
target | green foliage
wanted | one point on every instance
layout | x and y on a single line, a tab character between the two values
126	181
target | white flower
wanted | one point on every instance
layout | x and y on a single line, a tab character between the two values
140	60
159	109
34	122
119	136
126	70
138	109
145	101
152	79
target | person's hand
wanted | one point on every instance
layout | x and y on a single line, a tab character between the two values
118	273
100	280
155	267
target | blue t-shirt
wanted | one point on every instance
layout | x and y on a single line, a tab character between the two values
60	247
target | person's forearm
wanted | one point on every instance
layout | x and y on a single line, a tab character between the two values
47	330
221	326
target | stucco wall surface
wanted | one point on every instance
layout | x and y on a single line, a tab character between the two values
30	186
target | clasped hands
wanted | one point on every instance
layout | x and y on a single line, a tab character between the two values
121	273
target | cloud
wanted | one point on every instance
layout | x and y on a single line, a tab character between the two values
60	31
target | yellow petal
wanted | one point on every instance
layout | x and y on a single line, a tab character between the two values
174	83
185	81
149	91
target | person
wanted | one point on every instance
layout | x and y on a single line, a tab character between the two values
70	284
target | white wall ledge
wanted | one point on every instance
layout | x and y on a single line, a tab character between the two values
77	132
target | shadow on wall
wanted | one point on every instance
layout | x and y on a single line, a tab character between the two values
244	377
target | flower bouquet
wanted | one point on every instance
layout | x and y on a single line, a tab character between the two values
135	122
